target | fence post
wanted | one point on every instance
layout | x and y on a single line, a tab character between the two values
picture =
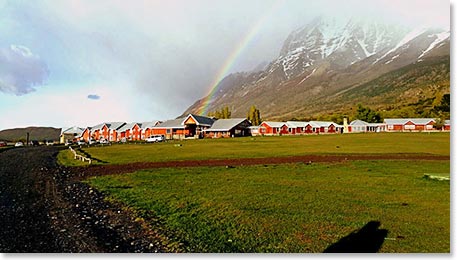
82	158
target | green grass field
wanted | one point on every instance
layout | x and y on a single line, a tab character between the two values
291	207
375	143
287	207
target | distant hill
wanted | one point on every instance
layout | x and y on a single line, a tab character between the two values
35	133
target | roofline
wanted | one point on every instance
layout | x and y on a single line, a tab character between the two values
216	130
168	127
196	121
267	122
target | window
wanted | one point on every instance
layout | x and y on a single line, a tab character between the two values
410	127
168	131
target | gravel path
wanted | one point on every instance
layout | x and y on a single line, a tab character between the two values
24	212
43	210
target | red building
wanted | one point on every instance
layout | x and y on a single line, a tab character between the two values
410	124
273	128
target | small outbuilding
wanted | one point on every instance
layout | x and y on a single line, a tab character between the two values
71	134
359	126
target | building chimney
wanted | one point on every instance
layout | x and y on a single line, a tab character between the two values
345	125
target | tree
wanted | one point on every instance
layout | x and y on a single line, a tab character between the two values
224	113
439	123
254	115
338	118
367	115
445	104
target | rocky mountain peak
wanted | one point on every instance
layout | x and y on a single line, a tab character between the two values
325	58
339	41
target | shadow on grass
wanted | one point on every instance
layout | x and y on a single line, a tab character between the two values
86	154
368	239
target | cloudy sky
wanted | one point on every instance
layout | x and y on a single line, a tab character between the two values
70	62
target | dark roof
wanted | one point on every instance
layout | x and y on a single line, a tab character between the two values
115	125
202	120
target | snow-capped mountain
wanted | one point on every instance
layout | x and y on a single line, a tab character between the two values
326	57
341	43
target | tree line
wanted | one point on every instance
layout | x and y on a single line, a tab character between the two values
253	114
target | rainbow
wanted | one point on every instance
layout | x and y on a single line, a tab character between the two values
231	59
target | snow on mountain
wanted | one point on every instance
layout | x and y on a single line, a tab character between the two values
341	42
408	37
440	37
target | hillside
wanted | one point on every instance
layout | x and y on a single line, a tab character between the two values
326	66
35	133
415	86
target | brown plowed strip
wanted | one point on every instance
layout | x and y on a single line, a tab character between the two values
97	170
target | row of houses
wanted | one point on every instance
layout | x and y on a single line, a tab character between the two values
195	126
356	126
191	126
396	125
296	128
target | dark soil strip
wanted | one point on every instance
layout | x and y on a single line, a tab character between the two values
97	170
25	223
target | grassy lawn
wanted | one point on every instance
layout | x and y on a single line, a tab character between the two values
293	207
375	143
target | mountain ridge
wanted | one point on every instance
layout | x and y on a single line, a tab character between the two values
318	60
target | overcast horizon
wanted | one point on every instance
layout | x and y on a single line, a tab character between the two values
81	63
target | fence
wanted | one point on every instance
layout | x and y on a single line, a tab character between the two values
80	157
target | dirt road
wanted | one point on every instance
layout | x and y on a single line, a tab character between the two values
43	210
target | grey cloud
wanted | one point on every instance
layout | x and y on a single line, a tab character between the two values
21	71
93	97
